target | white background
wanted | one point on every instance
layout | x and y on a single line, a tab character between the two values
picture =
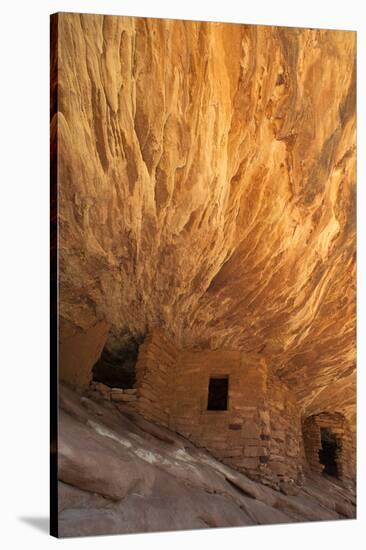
24	284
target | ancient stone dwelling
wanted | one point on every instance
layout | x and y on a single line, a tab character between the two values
230	403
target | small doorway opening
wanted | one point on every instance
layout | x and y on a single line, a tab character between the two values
218	394
328	452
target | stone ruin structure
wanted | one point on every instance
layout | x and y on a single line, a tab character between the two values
233	405
329	445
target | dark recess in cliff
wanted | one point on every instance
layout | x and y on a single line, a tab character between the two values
116	367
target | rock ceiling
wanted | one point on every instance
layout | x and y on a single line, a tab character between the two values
207	185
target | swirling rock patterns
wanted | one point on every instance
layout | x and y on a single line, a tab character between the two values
207	186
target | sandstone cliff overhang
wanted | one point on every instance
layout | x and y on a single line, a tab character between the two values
207	187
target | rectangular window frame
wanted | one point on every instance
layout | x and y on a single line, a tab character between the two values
228	401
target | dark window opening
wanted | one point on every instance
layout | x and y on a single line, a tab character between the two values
218	394
328	452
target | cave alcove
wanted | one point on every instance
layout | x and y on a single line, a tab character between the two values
116	366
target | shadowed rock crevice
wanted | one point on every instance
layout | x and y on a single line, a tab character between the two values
116	366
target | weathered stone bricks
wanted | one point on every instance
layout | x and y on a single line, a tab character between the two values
172	389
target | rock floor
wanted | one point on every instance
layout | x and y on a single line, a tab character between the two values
119	473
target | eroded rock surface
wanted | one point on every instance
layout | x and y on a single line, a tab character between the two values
206	176
121	474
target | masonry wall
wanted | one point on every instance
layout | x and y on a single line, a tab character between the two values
258	434
286	450
155	369
238	436
338	425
